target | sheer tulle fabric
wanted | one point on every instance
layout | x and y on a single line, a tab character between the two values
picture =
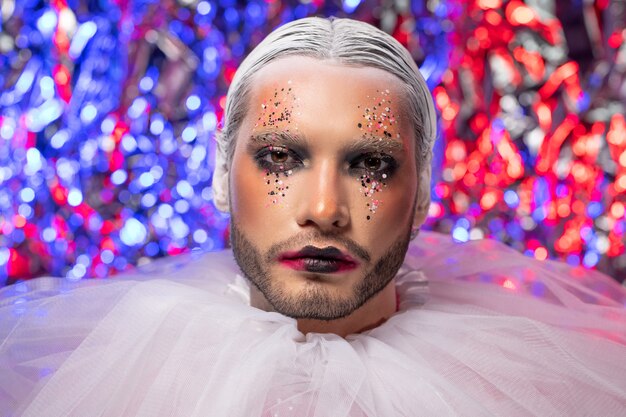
481	330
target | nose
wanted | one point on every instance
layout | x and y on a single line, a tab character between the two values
323	203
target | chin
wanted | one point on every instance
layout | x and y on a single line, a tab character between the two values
313	297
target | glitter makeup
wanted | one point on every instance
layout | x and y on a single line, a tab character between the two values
276	161
278	110
276	186
377	122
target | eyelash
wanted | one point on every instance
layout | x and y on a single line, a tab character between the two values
381	173
356	167
263	159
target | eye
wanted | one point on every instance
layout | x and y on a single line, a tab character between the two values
374	163
277	159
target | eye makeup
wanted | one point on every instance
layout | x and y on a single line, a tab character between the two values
377	124
276	186
279	150
275	161
376	165
369	186
277	164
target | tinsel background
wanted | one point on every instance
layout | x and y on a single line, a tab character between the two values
108	110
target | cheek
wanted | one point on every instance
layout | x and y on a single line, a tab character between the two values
276	187
247	190
256	194
371	188
385	205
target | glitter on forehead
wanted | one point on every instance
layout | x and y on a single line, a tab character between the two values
379	118
278	110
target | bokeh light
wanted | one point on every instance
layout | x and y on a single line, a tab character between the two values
108	112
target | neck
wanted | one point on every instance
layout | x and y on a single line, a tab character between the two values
370	315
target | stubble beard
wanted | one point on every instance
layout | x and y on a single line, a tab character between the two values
316	302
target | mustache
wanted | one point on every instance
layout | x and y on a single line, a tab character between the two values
324	239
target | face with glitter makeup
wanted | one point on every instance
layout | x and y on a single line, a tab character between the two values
339	153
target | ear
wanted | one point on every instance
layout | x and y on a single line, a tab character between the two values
220	177
423	197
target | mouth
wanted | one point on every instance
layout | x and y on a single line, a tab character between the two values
326	260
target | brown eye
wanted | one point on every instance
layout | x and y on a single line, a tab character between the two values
279	157
372	163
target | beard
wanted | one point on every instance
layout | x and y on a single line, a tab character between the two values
315	302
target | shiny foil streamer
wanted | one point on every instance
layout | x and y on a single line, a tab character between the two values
108	111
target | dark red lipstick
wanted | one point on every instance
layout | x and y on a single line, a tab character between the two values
326	260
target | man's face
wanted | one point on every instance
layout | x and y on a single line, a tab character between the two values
322	186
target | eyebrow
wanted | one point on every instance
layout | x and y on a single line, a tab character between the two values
293	140
283	138
371	142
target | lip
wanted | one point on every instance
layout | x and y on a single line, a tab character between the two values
327	260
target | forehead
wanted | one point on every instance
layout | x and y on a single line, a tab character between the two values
305	70
311	91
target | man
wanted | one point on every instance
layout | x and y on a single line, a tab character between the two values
338	115
324	165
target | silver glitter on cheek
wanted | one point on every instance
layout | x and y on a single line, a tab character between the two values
277	185
369	187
